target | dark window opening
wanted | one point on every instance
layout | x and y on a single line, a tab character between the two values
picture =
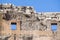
13	26
53	23
13	23
53	26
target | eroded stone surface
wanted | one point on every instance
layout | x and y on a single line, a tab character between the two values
30	24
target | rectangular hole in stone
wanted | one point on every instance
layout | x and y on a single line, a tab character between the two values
13	26
53	26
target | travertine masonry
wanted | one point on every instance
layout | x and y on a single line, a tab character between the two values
30	25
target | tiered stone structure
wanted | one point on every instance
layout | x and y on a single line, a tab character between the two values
30	25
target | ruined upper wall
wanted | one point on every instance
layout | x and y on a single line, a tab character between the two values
11	9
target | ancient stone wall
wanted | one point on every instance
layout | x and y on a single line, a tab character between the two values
30	25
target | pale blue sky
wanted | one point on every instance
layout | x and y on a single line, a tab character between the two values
39	5
54	27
